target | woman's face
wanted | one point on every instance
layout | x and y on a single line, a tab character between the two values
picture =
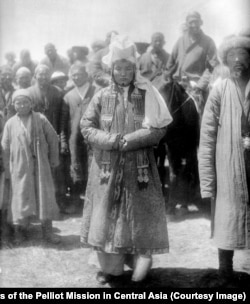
238	60
123	72
23	106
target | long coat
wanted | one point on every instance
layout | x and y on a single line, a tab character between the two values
29	165
222	165
49	104
72	110
119	215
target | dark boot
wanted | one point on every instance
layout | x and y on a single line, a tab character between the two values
225	266
47	233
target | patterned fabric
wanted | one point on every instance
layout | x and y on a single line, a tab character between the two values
119	216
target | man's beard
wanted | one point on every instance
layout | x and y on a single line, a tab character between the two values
241	72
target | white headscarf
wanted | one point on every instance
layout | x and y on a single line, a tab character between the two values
156	112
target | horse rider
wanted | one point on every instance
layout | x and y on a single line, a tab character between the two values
193	59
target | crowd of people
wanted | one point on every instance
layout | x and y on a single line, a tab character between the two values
81	134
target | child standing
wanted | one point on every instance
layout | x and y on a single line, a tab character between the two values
30	150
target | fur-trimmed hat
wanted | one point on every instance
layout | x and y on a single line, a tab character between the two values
232	42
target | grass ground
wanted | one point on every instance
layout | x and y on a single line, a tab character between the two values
191	262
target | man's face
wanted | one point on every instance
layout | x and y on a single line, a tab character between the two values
43	77
193	26
23	81
61	83
51	53
157	43
6	80
79	77
238	60
123	72
23	106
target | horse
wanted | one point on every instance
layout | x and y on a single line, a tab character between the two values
181	141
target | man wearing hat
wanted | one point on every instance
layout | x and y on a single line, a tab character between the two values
59	80
224	155
30	150
124	212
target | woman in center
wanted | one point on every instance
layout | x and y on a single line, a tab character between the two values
124	216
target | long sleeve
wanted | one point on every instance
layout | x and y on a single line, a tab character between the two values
143	138
5	145
52	141
208	137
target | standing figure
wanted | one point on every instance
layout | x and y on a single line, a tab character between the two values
23	78
54	61
74	106
124	217
10	58
30	150
1	171
25	61
224	155
47	100
3	213
6	92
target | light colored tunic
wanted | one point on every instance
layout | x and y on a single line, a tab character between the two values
28	156
222	165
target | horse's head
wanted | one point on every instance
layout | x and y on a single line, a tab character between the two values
173	94
180	104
